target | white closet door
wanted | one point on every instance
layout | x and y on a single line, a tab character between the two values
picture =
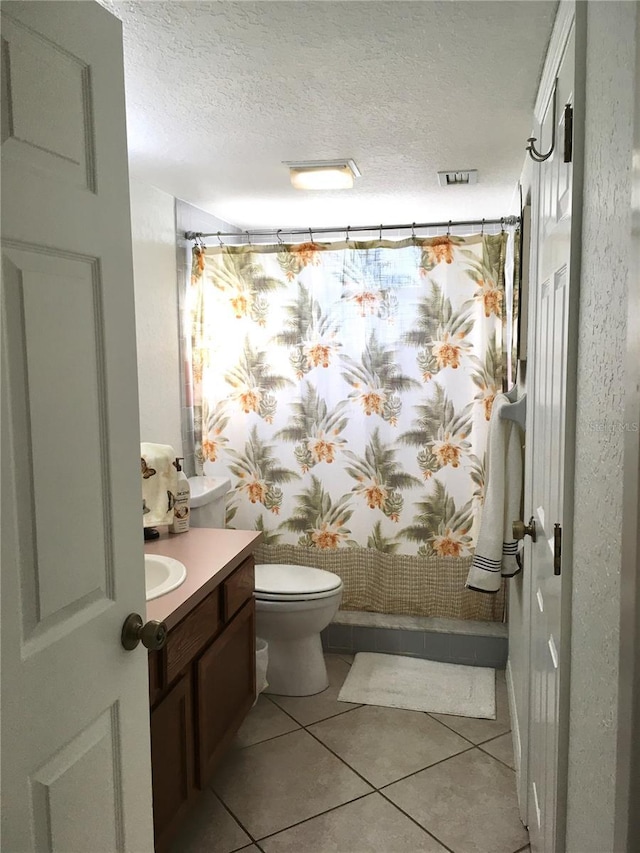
549	472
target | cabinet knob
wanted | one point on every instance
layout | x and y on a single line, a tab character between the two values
153	635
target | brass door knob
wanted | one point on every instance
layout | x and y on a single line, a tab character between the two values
520	529
153	635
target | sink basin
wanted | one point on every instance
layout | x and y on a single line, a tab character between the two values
162	575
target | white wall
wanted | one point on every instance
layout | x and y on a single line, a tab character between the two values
156	299
605	278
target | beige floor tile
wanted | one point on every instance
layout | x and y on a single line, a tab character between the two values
348	658
311	709
477	731
364	826
276	783
385	744
265	720
501	748
209	828
468	802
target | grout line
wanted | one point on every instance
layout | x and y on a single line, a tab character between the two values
521	849
300	726
267	739
495	757
240	824
321	720
320	814
428	767
486	740
450	729
352	769
413	820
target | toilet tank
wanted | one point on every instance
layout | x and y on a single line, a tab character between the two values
208	499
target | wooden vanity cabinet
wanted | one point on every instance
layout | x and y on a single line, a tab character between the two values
202	685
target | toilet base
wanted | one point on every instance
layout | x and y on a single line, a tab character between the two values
296	667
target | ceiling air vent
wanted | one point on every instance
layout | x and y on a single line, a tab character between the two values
462	176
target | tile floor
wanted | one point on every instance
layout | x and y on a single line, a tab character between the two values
314	775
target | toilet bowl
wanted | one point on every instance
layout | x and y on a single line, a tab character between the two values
293	605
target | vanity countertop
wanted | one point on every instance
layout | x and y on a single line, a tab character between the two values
209	556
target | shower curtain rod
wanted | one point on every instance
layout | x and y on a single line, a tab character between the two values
505	220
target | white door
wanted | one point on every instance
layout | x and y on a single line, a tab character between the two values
550	437
75	713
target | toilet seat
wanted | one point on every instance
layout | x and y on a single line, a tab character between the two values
284	582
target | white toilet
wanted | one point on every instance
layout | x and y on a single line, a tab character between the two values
293	605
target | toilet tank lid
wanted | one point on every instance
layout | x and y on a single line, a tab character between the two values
281	579
207	489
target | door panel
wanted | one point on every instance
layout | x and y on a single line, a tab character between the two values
48	106
69	573
75	712
63	780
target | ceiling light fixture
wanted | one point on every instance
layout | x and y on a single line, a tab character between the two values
323	174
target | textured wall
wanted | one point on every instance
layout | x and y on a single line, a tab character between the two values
154	272
599	442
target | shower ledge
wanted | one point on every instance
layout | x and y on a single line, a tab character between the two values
435	624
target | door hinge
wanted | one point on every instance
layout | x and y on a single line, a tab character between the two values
568	133
557	549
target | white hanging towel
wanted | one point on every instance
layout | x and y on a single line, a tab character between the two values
496	555
159	483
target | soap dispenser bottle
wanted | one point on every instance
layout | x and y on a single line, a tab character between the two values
181	508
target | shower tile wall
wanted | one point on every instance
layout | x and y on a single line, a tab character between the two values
189	218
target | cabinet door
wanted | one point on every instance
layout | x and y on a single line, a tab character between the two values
172	759
226	689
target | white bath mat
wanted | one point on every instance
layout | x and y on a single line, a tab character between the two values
421	685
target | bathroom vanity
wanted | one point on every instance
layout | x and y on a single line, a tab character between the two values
202	682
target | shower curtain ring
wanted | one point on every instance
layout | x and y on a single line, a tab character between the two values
381	233
413	231
482	229
449	229
310	236
348	230
220	240
248	238
502	224
280	240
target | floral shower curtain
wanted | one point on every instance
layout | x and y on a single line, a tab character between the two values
345	389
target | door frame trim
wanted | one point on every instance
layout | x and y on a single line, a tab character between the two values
627	818
575	272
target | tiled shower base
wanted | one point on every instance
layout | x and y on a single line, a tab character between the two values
446	640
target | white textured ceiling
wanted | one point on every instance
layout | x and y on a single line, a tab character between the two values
220	93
